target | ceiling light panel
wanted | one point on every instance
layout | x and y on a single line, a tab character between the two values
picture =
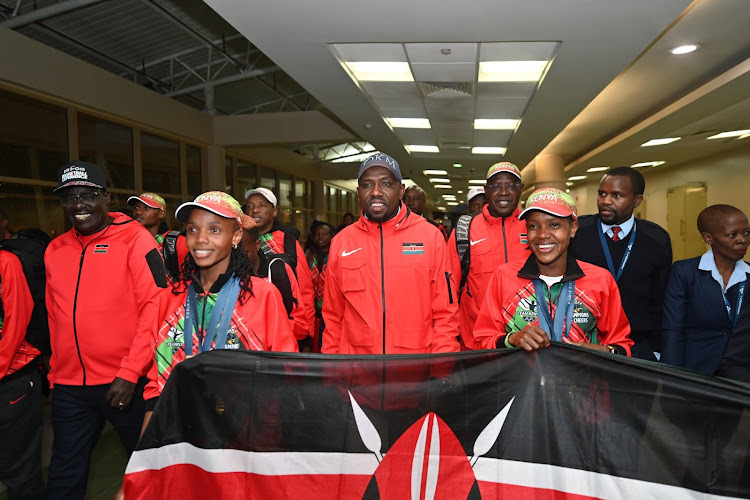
727	135
434	172
597	169
648	164
381	71
660	142
484	150
477	182
440	180
419	148
684	49
452	203
577	178
495	124
409	122
443	186
511	71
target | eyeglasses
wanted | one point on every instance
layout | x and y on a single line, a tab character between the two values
510	186
68	200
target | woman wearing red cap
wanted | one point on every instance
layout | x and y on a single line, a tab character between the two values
581	303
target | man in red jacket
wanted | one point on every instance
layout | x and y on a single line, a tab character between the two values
387	290
105	279
496	236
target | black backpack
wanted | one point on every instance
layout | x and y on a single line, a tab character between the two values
273	267
31	255
463	247
291	235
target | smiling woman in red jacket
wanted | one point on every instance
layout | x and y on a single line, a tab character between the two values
552	296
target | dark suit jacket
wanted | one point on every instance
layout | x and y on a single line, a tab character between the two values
696	324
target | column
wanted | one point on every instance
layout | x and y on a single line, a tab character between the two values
550	171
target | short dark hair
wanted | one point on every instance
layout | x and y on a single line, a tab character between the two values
709	216
636	178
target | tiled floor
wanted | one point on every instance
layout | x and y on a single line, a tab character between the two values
107	462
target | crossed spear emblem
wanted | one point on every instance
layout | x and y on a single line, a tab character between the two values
371	437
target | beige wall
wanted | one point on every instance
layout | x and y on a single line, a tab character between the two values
727	180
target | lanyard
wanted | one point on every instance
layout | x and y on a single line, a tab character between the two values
740	298
565	310
220	317
608	255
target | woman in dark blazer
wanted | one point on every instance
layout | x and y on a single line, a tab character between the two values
705	294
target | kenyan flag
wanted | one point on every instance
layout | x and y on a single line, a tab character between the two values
563	423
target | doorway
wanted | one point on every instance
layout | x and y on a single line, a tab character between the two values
684	203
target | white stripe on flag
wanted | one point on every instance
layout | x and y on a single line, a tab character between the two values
491	470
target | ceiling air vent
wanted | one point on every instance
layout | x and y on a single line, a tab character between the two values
446	90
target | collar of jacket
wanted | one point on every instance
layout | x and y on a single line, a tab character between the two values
401	219
491	219
530	269
216	287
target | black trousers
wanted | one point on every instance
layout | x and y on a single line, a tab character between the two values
21	433
78	417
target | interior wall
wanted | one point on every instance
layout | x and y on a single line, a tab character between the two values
726	177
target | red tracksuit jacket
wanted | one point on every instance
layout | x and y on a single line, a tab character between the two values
103	297
387	291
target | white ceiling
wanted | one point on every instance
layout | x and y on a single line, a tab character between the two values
612	84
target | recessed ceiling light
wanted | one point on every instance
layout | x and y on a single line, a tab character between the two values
733	133
597	169
409	122
435	172
439	179
684	49
457	165
511	71
443	186
487	151
452	203
567	190
449	196
660	142
577	178
569	183
478	181
648	164
460	192
495	124
416	148
381	71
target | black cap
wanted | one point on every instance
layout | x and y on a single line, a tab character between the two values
81	173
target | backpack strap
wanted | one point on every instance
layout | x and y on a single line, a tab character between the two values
290	249
463	248
278	276
169	253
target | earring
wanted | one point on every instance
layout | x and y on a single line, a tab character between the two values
234	246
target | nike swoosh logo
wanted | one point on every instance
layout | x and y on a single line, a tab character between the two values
17	400
478	241
346	254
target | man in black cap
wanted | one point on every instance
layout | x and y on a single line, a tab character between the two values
387	290
105	278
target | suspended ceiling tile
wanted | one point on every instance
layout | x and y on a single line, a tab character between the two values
492	138
406	112
447	125
506	89
390	89
509	107
370	52
433	52
517	51
463	135
450	109
416	136
444	72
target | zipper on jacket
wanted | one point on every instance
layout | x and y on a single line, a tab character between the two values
382	280
505	242
75	305
75	299
450	292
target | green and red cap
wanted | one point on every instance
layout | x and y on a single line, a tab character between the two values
552	201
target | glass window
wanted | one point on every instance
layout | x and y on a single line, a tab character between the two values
33	138
228	175
300	194
161	164
33	206
193	162
110	146
333	200
268	178
246	178
285	190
